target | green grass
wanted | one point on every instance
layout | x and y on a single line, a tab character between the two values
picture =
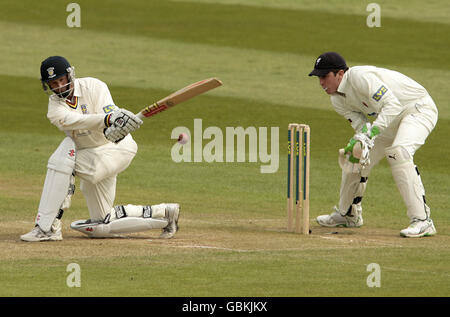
232	240
294	31
271	274
433	11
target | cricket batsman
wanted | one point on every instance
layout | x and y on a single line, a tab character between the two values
97	147
402	114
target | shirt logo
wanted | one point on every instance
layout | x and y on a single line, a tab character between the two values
380	93
108	108
84	109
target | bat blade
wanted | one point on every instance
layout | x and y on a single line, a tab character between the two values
179	96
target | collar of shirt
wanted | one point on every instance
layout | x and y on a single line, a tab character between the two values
343	84
76	88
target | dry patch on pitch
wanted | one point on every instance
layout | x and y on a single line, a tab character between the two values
216	235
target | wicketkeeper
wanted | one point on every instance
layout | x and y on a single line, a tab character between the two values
97	147
403	116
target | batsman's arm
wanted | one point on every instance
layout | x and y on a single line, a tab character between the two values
64	119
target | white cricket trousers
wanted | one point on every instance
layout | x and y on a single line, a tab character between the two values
98	168
409	134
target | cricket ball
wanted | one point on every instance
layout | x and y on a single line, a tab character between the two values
183	138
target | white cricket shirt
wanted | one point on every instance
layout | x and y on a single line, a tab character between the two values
83	120
372	92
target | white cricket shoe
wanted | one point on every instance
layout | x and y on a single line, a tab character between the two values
419	228
172	214
335	219
37	235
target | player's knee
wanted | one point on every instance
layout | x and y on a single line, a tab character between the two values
397	154
63	159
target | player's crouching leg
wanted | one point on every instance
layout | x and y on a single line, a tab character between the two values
132	218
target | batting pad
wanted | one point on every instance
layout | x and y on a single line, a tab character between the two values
118	226
57	183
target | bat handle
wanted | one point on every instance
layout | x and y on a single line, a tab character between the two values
141	114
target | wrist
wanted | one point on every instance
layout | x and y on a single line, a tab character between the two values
107	120
370	130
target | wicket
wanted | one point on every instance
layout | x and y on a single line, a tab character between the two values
300	133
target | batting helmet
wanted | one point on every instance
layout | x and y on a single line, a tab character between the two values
55	67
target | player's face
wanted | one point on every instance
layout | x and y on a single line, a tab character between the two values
60	86
330	82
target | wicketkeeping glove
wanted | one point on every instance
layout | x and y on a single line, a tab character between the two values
367	138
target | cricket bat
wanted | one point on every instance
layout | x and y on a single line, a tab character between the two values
179	96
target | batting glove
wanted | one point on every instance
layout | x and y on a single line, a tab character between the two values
114	134
123	119
119	123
